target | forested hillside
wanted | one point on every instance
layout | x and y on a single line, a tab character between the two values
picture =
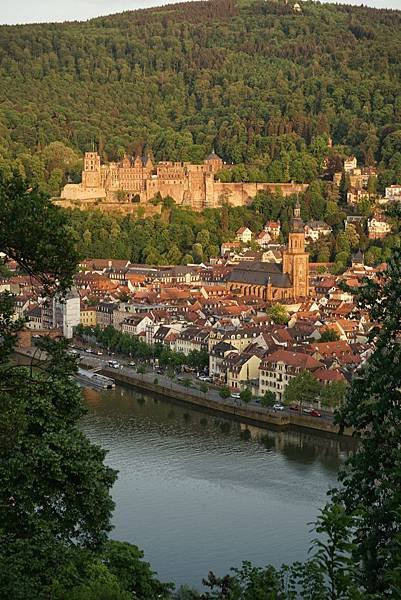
183	236
257	81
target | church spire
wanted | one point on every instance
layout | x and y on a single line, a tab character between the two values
297	223
297	209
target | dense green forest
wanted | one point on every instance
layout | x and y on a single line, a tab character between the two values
184	236
263	85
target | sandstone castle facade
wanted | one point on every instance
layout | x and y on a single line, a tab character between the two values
123	186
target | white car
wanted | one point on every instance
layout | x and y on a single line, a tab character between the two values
278	407
114	364
236	396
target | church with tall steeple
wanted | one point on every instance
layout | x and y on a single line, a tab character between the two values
274	282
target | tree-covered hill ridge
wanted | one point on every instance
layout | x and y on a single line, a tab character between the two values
255	80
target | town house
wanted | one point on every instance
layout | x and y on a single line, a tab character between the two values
273	228
278	368
378	227
104	314
216	359
316	229
192	338
393	193
244	235
241	369
238	338
88	315
34	318
136	325
263	239
165	335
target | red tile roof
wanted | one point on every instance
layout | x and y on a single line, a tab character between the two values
293	359
328	375
331	348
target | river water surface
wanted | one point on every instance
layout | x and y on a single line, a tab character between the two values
197	492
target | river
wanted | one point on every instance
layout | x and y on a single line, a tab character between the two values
197	492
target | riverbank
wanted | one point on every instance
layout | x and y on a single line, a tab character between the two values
254	415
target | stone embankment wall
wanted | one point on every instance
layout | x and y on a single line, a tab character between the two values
247	414
244	413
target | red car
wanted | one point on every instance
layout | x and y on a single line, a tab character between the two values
315	413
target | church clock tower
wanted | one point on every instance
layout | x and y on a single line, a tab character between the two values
295	259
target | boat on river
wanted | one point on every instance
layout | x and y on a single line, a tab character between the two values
94	379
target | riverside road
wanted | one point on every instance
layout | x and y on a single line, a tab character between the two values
191	385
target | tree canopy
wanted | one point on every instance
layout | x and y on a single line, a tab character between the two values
33	232
302	389
55	502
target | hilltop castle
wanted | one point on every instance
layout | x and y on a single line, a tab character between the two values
136	181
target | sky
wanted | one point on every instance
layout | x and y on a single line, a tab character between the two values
37	11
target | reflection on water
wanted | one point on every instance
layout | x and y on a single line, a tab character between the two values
197	492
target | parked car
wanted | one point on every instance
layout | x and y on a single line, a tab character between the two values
89	350
236	395
295	407
114	364
159	371
203	378
132	364
278	407
314	413
99	353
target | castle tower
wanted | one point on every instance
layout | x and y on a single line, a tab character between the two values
295	259
214	162
209	191
91	172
